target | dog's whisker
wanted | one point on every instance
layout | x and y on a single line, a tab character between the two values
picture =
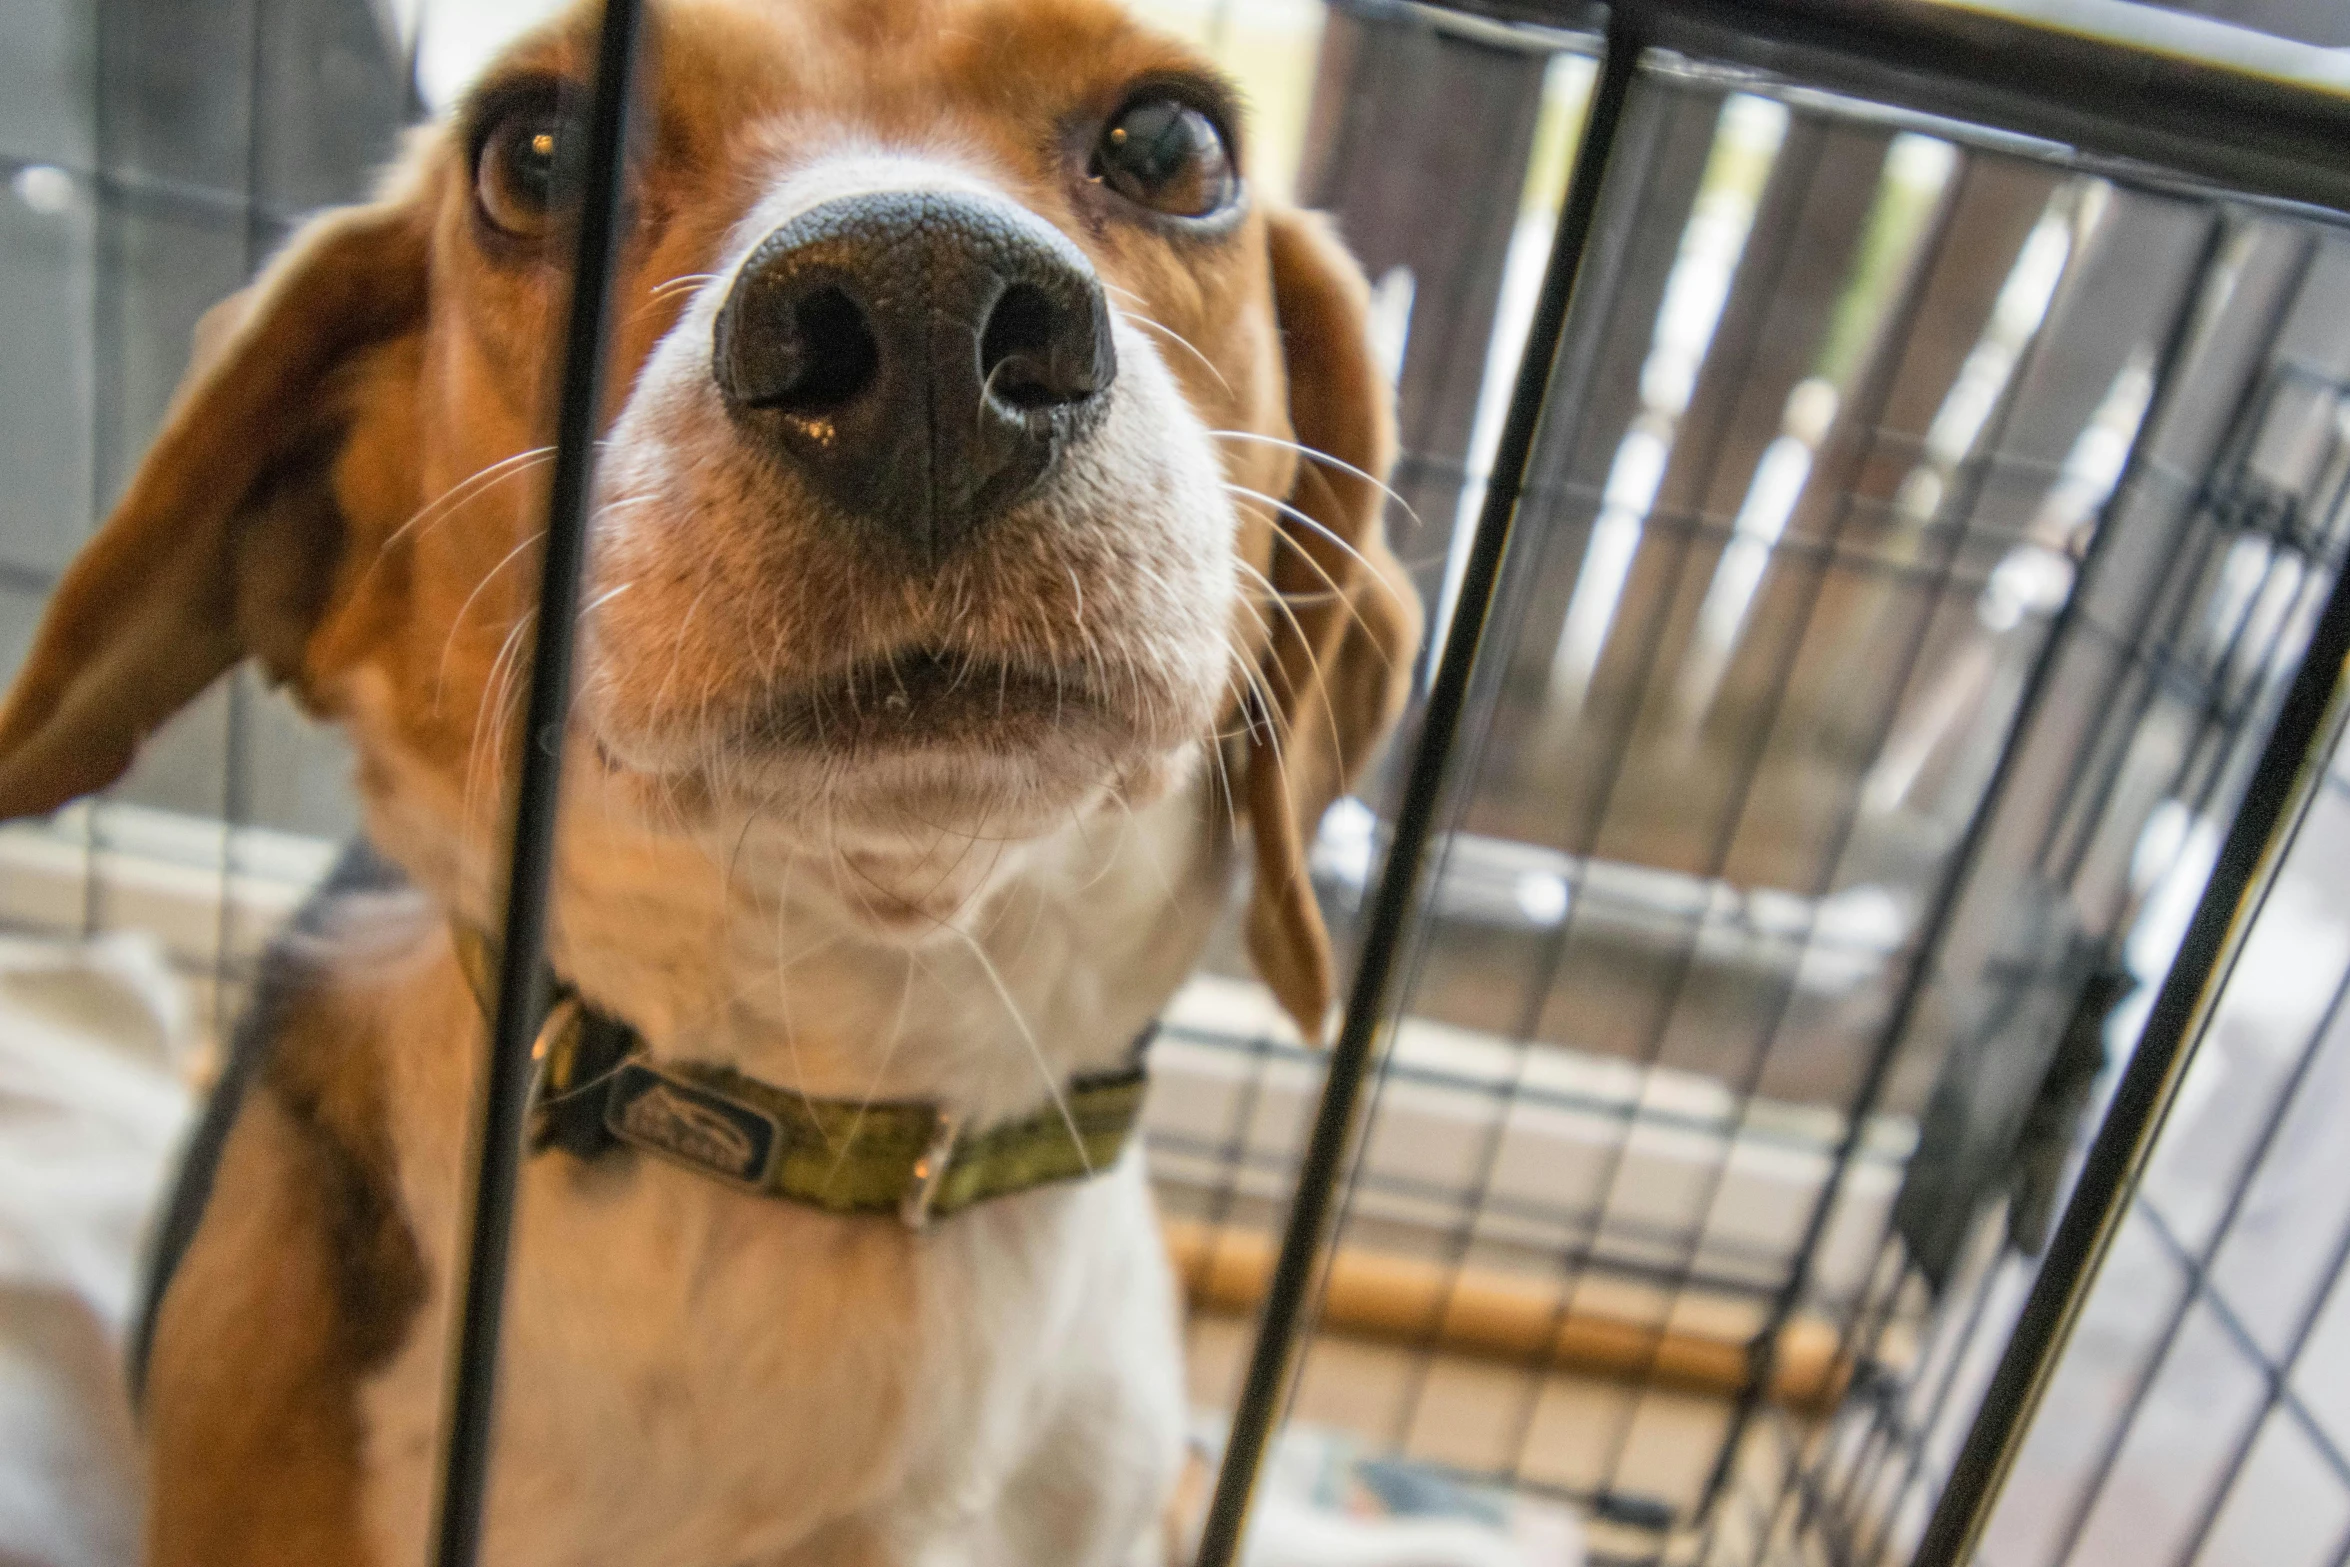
1313	664
1137	318
604	598
897	1031
1036	1052
783	1005
1324	459
480	482
684	283
457	622
1371	574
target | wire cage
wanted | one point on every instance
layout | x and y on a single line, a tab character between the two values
1847	991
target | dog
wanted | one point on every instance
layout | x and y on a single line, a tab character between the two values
987	545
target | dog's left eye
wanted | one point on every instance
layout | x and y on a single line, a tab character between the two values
521	174
1167	156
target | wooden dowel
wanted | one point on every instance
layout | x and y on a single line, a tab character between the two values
1502	1316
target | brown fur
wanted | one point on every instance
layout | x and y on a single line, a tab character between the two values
1339	665
305	1283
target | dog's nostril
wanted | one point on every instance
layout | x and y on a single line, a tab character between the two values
1032	355
923	359
833	359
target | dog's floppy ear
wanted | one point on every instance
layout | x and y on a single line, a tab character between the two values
1339	665
225	541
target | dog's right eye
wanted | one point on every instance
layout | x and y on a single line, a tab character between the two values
520	175
1163	154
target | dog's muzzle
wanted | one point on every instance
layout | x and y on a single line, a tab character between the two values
920	357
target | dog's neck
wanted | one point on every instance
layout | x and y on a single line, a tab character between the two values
742	947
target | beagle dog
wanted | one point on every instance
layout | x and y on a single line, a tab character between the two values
987	542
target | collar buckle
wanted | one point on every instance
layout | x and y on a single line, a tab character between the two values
930	1171
551	1056
551	1049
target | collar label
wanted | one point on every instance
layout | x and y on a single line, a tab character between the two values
691	1124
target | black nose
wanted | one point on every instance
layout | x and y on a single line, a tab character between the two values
922	357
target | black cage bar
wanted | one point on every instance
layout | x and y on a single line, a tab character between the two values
522	979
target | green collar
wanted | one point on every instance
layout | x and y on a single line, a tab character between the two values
598	1089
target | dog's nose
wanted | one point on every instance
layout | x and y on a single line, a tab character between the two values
921	356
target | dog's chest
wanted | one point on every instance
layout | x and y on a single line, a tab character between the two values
696	1376
700	1376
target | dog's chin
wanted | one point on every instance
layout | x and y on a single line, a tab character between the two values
908	836
919	749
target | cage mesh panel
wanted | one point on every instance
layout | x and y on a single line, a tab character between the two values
1874	620
152	156
1863	1489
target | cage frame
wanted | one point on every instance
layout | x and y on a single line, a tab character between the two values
2100	103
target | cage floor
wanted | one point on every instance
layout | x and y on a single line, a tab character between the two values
1458	1413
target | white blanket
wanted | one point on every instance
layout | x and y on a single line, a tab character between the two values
92	1109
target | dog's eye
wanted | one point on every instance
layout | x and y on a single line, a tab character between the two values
1166	156
521	176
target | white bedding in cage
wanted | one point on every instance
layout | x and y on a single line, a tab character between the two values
91	1107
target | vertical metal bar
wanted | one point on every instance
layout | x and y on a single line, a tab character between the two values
2151	644
236	738
1350	1060
1552	960
1948	899
521	984
1878	386
107	203
1917	1423
413	107
1641	146
2289	761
